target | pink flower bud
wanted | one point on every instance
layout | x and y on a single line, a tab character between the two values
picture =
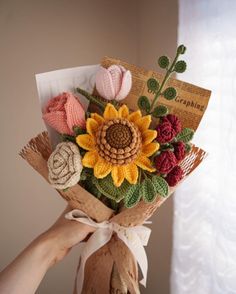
114	82
63	112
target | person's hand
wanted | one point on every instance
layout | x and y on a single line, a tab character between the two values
63	235
26	272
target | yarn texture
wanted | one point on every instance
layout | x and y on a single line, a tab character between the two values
118	143
64	112
113	83
165	162
65	166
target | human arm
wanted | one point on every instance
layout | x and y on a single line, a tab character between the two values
25	273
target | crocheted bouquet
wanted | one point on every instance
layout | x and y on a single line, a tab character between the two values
116	164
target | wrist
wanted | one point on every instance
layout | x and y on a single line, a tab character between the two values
46	249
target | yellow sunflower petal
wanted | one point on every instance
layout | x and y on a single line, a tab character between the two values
99	119
134	116
144	162
85	141
91	126
90	158
131	173
148	136
150	148
117	174
102	168
123	111
110	112
143	123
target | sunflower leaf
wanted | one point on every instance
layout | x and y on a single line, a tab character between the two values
78	130
133	196
65	138
188	147
186	135
108	189
160	185
148	191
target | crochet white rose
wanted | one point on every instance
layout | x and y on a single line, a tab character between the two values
65	166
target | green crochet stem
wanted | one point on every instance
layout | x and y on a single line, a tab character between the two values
91	98
166	78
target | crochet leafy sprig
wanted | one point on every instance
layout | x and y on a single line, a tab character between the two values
158	88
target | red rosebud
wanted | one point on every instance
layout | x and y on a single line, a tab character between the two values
175	122
174	176
165	162
165	132
179	150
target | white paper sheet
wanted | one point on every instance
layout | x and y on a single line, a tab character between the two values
53	83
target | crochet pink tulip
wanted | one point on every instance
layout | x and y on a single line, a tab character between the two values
63	112
114	82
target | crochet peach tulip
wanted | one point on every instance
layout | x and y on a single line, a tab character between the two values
113	83
63	112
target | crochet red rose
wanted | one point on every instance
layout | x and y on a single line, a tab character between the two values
63	112
179	150
174	121
165	132
165	162
174	176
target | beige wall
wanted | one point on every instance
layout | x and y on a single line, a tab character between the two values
38	36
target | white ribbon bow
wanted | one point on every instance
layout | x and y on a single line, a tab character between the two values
134	238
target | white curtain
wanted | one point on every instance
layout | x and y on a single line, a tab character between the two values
204	250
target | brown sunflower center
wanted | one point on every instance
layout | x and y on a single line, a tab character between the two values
119	135
118	141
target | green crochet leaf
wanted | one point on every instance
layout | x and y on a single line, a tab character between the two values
180	66
93	189
78	131
144	104
170	93
152	84
132	196
108	189
188	147
66	138
185	135
160	111
148	190
163	62
83	175
181	49
86	181
166	146
160	185
87	114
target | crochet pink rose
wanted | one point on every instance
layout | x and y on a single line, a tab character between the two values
114	82
63	112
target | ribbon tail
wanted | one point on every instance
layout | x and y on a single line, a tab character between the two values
135	245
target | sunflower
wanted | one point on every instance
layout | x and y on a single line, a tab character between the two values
118	143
